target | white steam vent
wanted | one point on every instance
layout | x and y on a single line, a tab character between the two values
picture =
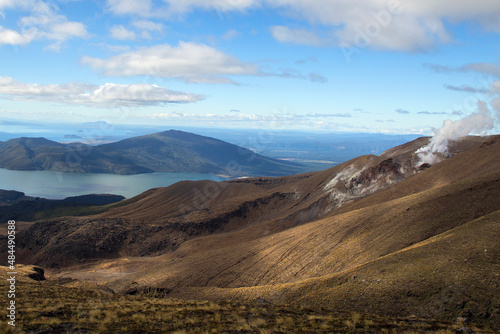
478	123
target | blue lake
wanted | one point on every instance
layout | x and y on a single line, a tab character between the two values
55	185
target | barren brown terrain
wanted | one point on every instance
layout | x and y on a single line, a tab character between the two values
379	235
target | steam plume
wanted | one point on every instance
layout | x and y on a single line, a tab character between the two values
478	122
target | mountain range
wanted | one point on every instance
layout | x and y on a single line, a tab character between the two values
169	151
383	235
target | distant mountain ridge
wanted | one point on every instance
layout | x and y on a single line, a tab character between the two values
169	151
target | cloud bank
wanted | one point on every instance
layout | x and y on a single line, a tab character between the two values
108	95
402	25
190	62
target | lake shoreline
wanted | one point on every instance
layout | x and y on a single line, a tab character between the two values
57	185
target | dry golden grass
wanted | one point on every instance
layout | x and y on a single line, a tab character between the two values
61	309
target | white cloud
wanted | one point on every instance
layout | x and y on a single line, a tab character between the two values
137	95
220	5
431	113
230	34
11	37
376	24
296	36
130	7
483	68
294	74
402	111
143	28
467	89
113	48
315	77
7	3
329	115
496	101
43	23
403	25
496	86
65	30
339	122
121	33
479	10
147	8
395	25
108	95
190	62
148	25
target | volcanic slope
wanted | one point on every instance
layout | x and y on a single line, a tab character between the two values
376	234
160	220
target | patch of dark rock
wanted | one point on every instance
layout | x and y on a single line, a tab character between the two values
38	275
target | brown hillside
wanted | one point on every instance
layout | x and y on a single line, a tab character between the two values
375	233
454	274
425	250
484	158
334	244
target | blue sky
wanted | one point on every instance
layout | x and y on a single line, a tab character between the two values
396	66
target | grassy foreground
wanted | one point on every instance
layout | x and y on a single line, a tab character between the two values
76	307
